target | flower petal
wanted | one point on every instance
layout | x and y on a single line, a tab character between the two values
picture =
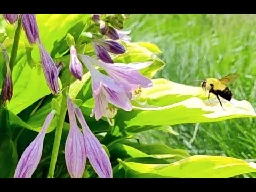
99	77
131	80
101	105
30	158
75	153
127	75
94	151
118	99
123	35
75	148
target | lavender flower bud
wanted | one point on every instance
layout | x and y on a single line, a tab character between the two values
7	88
102	54
30	27
51	71
112	46
96	17
103	27
12	18
30	158
75	65
112	33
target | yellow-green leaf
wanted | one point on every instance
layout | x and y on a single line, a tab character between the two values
198	166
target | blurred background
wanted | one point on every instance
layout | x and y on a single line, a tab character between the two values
195	47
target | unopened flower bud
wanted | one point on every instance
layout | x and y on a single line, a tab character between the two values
7	88
12	18
96	17
103	27
75	66
30	27
112	33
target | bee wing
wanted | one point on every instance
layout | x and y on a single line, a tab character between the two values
229	78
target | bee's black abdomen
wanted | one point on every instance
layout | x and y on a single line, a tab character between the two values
226	94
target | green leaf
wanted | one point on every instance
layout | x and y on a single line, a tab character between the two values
34	123
151	47
53	32
55	106
76	87
137	53
167	129
122	151
165	92
191	110
160	149
198	166
8	156
36	120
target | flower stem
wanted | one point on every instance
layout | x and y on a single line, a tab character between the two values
15	44
58	133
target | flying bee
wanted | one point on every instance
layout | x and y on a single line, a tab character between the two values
219	86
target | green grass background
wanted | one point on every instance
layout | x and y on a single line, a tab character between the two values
200	46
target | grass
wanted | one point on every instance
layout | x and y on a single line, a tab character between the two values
200	46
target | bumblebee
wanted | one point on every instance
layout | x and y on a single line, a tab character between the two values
219	86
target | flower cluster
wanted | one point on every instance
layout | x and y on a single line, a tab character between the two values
79	146
111	90
115	88
103	47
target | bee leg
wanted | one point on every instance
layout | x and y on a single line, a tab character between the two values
209	97
220	101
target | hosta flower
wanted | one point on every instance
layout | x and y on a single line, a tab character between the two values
94	151
30	158
30	27
80	145
7	88
105	90
108	30
51	71
112	33
12	18
111	46
103	27
75	65
96	17
102	47
75	148
127	75
102	53
123	35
